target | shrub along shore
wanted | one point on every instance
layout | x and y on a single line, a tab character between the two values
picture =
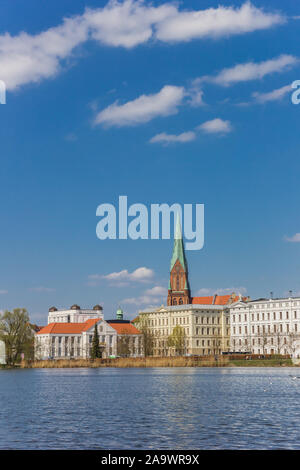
177	361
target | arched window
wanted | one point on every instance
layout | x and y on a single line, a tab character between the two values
180	301
177	283
174	302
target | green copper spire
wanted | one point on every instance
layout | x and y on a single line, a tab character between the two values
178	249
119	314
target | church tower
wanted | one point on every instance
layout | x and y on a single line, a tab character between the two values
179	289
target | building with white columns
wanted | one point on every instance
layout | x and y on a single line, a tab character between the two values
69	335
266	326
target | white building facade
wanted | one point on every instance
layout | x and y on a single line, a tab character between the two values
69	334
2	353
266	326
74	314
74	340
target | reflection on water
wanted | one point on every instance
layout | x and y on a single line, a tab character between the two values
167	408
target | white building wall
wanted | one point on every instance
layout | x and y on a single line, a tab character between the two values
70	345
266	326
73	316
2	353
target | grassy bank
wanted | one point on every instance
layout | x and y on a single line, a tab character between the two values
162	362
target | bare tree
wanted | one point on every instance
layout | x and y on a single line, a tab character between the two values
148	336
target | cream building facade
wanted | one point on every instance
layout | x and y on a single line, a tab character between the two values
206	328
266	326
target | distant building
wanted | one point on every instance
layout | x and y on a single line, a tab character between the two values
129	338
266	326
72	339
205	320
74	315
2	353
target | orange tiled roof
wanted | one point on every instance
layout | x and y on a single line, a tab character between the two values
217	299
203	300
125	328
68	328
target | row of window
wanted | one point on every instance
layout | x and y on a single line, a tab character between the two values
268	329
265	316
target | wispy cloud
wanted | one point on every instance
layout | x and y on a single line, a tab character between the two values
124	277
152	296
274	95
3	291
221	291
250	71
41	289
293	239
216	126
29	58
71	137
215	23
142	109
164	138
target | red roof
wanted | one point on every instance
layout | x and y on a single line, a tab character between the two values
68	328
217	299
203	300
125	328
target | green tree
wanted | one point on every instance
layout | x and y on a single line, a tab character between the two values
17	334
96	350
176	340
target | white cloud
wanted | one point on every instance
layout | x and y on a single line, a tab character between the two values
150	297
3	292
251	70
274	95
142	109
221	291
124	277
294	239
29	58
215	23
216	126
164	138
127	23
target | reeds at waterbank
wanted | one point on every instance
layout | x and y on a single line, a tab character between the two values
177	361
172	361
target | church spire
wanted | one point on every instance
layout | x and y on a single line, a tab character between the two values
179	291
178	249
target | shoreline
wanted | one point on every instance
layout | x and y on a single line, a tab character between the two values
149	362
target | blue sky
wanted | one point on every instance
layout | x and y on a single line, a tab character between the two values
66	147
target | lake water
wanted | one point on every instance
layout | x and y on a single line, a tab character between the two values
163	408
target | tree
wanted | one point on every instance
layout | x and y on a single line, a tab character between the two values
17	334
292	343
123	345
148	337
95	350
176	339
